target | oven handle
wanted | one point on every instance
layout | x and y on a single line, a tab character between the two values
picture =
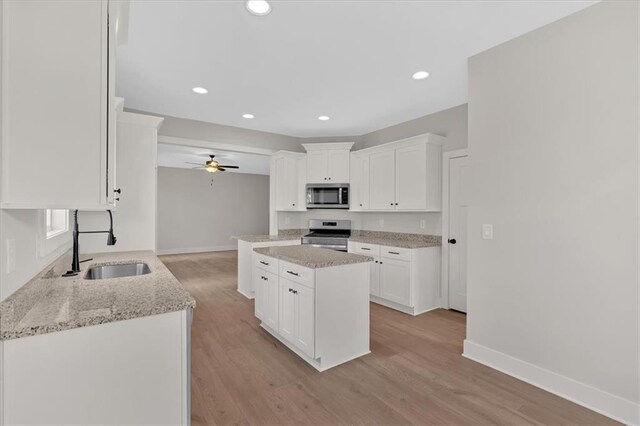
329	246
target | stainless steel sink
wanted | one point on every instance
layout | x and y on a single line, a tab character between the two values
117	271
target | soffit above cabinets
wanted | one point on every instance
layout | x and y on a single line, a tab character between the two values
350	60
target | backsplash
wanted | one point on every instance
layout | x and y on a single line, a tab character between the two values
389	222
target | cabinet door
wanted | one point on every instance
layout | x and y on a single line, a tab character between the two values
359	185
291	182
338	165
382	180
374	280
259	288
317	166
395	281
55	98
305	319
287	310
270	307
282	191
411	177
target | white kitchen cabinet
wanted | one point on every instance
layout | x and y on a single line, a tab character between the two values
395	281
247	259
359	184
407	280
121	373
328	162
319	318
289	171
400	176
58	141
382	180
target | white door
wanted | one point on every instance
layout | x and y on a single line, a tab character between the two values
317	167
338	165
411	177
395	281
359	186
382	180
374	280
259	291
305	322
457	234
270	305
287	310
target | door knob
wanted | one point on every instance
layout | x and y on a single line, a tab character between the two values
452	241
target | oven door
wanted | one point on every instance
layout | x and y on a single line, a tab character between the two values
329	196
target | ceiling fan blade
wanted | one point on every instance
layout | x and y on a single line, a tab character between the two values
220	169
189	162
230	167
199	167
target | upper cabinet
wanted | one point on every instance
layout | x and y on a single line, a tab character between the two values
398	176
328	162
288	181
58	105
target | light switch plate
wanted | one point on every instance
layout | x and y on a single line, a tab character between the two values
423	223
487	231
287	220
381	223
11	255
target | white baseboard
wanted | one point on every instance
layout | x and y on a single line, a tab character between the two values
196	249
602	402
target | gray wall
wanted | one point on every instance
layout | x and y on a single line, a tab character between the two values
193	215
553	135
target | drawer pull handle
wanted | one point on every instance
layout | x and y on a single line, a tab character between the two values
393	252
293	273
264	278
264	263
366	248
290	290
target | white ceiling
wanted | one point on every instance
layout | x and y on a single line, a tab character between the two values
179	156
350	60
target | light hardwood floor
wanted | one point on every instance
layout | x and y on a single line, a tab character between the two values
414	374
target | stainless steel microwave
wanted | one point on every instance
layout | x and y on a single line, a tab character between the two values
328	196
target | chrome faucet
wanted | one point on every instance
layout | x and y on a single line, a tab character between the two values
111	240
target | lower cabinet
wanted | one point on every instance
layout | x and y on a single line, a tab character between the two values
266	289
404	279
296	320
395	281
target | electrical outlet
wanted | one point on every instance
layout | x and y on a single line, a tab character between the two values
381	223
287	220
11	255
487	231
423	223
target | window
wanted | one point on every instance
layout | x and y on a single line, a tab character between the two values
57	222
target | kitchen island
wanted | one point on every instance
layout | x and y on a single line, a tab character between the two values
315	301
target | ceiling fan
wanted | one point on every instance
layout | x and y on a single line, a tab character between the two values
212	165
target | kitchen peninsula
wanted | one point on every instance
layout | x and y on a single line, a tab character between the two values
315	301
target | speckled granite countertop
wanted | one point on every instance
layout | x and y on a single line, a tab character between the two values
312	257
396	239
50	303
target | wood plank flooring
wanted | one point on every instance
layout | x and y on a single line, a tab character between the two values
414	374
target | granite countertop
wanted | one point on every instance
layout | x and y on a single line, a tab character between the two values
283	235
396	239
50	303
312	257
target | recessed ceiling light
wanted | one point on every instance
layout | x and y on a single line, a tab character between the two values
247	115
200	90
323	118
420	75
258	7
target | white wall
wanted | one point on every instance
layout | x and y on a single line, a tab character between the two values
134	218
199	211
553	138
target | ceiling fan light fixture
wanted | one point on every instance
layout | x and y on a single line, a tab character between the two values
258	7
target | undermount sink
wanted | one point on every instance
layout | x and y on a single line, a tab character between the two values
117	271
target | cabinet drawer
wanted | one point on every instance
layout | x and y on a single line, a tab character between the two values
265	262
366	249
297	273
395	253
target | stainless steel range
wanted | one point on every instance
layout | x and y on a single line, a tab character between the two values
331	234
